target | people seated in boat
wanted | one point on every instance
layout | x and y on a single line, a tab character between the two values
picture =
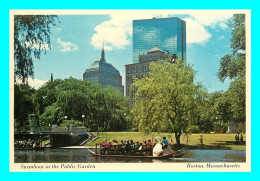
137	144
128	147
103	144
150	144
132	144
115	142
171	143
165	143
109	144
103	147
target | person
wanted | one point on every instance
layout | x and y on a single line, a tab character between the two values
236	138
128	147
115	142
109	144
201	139
171	142
132	144
241	138
149	143
165	142
104	144
137	144
103	147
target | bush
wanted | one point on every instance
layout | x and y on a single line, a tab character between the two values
66	123
193	129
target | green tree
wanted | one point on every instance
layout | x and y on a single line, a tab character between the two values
236	97
23	104
165	98
104	109
233	66
46	95
31	38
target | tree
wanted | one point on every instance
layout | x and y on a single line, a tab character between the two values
104	109
23	104
233	66
236	97
165	98
31	38
46	95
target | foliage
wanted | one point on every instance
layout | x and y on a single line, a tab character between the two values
66	123
52	114
23	103
236	98
46	95
233	66
165	98
193	129
103	109
31	38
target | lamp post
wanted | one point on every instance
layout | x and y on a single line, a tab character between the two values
126	119
83	117
216	123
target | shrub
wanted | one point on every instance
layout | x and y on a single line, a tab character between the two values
193	129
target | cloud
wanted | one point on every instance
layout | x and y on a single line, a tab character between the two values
67	46
35	83
221	37
58	30
196	32
211	19
223	26
117	31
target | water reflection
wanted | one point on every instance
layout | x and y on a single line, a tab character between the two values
64	155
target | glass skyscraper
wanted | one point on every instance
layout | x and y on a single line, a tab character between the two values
166	33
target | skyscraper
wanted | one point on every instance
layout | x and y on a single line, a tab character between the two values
166	33
104	73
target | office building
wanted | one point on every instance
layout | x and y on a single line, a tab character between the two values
141	69
166	33
104	73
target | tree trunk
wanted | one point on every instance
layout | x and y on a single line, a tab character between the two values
177	137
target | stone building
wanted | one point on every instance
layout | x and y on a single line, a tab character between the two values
104	73
141	69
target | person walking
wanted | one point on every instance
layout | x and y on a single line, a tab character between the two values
201	140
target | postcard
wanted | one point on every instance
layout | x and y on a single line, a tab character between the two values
130	90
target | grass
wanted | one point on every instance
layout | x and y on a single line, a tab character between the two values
210	141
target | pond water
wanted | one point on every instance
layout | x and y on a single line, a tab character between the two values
82	155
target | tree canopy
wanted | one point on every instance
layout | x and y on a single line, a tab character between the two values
166	97
233	66
31	38
104	109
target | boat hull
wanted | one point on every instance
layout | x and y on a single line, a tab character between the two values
174	155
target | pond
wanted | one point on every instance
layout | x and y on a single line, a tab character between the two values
82	155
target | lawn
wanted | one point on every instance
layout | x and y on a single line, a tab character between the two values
210	141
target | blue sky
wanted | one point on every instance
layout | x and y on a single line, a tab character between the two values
77	42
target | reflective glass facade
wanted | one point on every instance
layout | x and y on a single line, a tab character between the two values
166	33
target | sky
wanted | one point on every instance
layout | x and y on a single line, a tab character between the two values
77	42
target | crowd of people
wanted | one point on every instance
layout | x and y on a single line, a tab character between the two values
131	147
239	140
27	144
